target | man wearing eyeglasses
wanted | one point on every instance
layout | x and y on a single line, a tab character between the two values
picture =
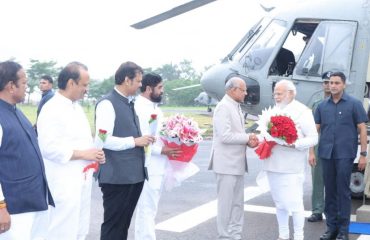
317	198
229	159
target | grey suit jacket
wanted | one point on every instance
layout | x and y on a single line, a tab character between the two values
228	154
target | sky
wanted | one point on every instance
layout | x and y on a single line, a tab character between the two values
98	33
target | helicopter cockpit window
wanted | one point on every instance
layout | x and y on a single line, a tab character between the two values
329	48
256	56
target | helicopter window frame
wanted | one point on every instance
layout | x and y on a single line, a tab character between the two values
255	54
336	39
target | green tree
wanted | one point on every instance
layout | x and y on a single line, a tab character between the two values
187	71
169	72
36	70
98	89
184	97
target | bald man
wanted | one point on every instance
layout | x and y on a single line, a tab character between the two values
229	160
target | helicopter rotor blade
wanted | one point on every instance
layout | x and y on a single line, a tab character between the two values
186	87
186	7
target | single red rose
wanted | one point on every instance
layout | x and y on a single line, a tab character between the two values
101	131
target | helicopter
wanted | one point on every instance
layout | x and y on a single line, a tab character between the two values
298	43
202	99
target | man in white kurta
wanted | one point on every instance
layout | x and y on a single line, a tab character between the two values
286	165
67	148
156	160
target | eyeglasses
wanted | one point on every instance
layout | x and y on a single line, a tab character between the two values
241	89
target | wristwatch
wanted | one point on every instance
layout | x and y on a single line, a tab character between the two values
364	153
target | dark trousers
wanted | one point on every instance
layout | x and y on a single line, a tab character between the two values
337	176
119	202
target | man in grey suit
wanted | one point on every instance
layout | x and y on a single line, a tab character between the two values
229	160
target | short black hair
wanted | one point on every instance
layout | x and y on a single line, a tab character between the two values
8	73
71	71
127	69
151	80
339	74
48	78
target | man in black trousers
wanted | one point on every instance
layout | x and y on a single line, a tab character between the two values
122	177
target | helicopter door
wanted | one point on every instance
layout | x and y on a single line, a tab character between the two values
330	48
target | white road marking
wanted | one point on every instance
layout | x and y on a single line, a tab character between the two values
364	237
198	215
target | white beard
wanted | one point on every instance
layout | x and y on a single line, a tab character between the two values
283	103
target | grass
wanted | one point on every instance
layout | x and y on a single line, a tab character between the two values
197	113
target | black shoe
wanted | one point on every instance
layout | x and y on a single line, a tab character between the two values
315	217
329	235
342	236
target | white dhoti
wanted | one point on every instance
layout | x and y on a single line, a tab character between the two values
287	193
70	218
147	208
27	226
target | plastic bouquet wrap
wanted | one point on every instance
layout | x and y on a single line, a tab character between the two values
276	128
153	124
99	144
183	132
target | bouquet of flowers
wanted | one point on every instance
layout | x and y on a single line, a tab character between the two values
98	143
276	128
183	132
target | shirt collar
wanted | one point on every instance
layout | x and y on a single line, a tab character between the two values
45	93
129	98
344	97
235	103
146	101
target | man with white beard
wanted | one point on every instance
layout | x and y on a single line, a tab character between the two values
285	167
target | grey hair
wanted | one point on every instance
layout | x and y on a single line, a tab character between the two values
232	83
289	85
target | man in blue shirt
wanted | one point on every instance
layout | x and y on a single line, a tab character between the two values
339	119
46	87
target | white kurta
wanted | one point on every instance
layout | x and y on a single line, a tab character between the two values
156	164
63	127
285	171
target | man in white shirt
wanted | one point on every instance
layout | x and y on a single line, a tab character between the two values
285	167
122	177
67	148
156	161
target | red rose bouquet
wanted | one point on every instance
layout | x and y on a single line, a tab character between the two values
276	128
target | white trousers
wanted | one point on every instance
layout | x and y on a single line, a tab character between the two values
230	206
147	208
27	226
287	193
70	218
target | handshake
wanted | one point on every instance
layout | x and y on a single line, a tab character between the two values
253	140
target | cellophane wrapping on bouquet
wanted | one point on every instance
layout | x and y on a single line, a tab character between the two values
180	131
183	132
153	124
276	128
